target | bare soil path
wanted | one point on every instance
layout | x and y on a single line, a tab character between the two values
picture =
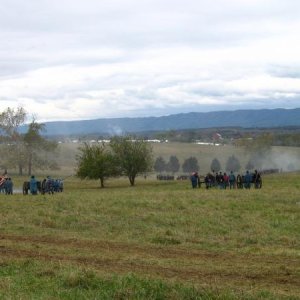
199	267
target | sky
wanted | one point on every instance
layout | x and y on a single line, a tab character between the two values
76	60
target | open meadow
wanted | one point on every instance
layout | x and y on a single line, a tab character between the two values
285	158
157	240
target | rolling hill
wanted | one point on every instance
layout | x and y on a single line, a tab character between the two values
264	118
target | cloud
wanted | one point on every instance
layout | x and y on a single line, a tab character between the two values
79	60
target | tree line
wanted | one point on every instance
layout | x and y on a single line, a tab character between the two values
191	165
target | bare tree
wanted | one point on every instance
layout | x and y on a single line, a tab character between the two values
13	151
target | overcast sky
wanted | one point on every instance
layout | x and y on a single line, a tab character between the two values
75	59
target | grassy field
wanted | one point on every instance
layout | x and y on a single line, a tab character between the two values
157	240
278	157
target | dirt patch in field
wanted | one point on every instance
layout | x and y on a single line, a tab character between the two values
167	262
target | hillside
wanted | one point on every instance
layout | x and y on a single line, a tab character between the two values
243	118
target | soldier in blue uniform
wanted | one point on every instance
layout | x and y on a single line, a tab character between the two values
248	180
33	185
9	186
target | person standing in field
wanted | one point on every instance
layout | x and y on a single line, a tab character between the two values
3	180
248	179
257	179
43	186
194	180
221	181
198	180
226	180
208	181
232	180
217	179
239	181
49	185
33	185
9	186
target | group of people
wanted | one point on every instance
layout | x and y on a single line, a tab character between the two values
47	186
228	181
6	185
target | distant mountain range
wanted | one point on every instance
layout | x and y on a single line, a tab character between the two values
263	118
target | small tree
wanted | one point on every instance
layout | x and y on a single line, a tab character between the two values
96	162
173	164
190	165
233	164
159	165
134	156
215	165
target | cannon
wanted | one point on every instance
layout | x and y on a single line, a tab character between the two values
26	187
